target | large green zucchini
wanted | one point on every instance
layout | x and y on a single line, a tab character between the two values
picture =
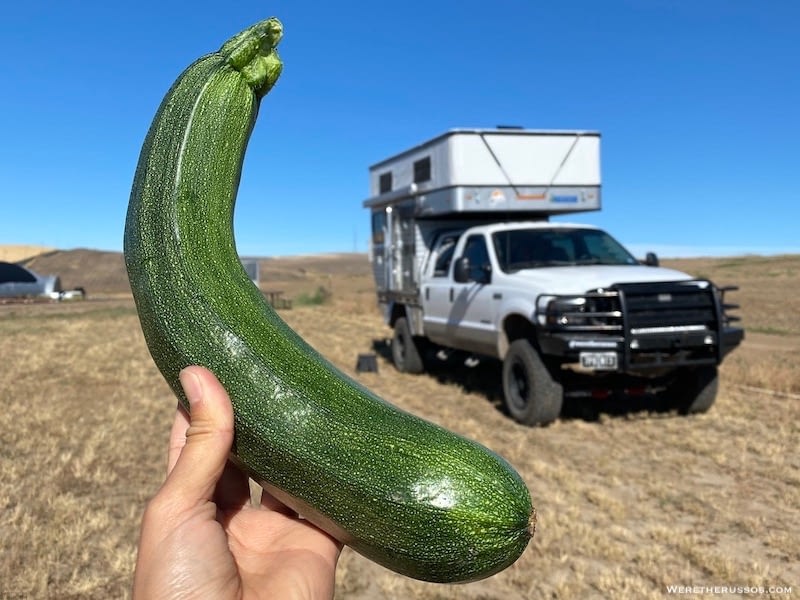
406	493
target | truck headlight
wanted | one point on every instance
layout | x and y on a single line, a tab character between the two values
566	311
599	310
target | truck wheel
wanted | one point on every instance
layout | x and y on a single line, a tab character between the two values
405	353
532	396
695	390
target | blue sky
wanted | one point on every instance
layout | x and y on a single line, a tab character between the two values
697	103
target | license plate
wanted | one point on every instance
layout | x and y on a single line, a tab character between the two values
599	361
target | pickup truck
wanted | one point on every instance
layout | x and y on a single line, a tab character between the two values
564	306
477	269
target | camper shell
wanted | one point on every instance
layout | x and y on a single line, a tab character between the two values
520	172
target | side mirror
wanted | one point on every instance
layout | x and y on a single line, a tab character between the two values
461	270
486	274
651	260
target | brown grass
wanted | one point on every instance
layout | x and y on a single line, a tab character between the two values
18	252
627	505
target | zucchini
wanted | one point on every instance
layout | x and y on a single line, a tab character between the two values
403	492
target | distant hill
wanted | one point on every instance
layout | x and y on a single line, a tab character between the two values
95	271
291	268
18	252
103	272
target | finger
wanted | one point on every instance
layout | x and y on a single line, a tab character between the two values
177	437
202	458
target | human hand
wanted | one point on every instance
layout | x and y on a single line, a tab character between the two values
202	538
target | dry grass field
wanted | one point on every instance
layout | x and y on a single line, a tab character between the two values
628	504
18	252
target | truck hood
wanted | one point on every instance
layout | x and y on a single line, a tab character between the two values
580	279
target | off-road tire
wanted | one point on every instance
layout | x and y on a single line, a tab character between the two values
532	396
406	351
695	390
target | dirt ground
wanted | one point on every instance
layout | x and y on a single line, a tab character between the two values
628	504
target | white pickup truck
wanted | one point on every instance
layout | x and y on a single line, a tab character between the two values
466	258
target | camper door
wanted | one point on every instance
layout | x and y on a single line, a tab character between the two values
398	248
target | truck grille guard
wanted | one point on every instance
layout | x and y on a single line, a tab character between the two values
680	322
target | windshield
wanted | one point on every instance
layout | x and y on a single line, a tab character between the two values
532	248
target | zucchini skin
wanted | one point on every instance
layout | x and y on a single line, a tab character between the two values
405	493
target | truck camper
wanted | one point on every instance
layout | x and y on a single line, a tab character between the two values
466	258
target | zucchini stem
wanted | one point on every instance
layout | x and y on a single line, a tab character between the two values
253	53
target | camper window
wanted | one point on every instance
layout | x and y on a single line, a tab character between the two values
422	170
385	182
378	227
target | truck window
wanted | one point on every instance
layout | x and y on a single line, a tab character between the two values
528	248
518	249
478	255
600	244
444	255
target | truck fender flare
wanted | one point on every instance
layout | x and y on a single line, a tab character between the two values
413	314
515	324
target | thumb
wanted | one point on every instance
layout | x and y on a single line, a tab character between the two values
202	457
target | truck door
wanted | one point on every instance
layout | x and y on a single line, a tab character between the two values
437	288
472	311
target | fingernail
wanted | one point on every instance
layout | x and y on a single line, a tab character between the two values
192	386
